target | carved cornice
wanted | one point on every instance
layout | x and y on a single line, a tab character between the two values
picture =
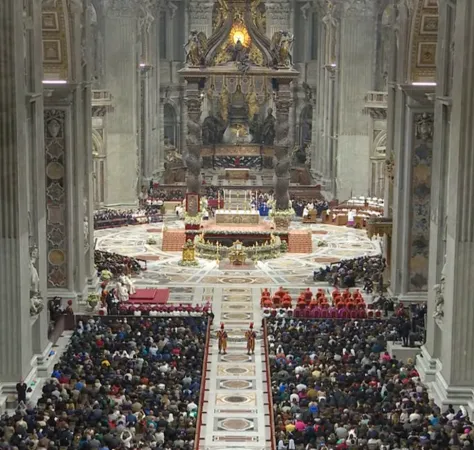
333	10
420	94
132	8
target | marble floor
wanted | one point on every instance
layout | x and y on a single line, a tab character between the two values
236	411
330	243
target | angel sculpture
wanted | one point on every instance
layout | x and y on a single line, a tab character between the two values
196	48
282	48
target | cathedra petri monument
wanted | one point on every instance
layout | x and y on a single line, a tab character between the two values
244	77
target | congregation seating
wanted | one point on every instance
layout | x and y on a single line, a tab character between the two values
164	310
116	264
334	386
348	272
319	304
120	384
111	218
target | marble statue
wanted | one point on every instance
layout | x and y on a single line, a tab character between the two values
238	51
196	48
36	301
34	277
255	129
224	103
36	305
146	18
268	129
282	49
128	283
209	130
252	104
221	125
439	294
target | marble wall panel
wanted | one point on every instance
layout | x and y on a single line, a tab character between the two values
420	205
55	154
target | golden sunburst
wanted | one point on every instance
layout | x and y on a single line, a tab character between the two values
239	33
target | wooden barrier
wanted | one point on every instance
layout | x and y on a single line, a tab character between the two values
203	386
269	386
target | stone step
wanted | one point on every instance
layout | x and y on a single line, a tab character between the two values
173	240
300	242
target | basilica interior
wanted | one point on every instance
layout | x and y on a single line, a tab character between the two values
234	168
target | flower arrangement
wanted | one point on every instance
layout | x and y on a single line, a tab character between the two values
193	220
243	231
284	247
285	213
188	263
105	275
92	301
151	241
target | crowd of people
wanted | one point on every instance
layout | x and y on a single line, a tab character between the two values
155	192
303	207
346	273
213	192
106	218
116	264
335	387
120	384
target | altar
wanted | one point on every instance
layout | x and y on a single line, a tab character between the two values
234	173
234	217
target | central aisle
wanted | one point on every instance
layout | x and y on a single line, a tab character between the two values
236	412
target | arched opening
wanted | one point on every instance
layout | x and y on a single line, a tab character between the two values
170	125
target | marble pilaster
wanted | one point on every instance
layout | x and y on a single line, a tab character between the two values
36	168
355	67
412	187
149	92
453	382
15	328
442	108
318	117
122	79
68	175
87	64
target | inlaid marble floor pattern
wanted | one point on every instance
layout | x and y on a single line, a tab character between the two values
236	410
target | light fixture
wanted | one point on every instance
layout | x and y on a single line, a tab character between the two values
424	83
142	65
54	81
333	65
